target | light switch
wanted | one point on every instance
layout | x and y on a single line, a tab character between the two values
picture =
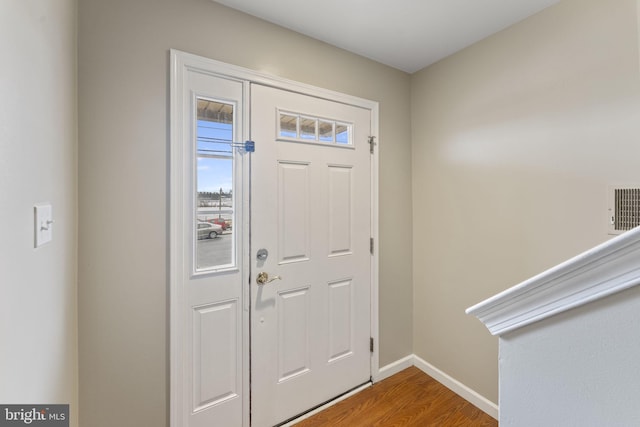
43	223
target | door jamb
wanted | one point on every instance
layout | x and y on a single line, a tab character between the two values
248	76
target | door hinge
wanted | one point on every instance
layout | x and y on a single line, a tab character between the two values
372	143
371	245
371	344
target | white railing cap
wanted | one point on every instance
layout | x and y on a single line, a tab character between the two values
608	268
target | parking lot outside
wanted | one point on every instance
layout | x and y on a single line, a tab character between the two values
215	252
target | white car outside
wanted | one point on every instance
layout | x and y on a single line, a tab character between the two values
208	230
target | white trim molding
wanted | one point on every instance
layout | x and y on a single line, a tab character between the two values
394	367
604	270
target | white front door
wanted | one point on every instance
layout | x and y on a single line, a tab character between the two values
310	233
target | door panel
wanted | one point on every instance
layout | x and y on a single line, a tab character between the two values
215	340
293	333
311	209
340	200
293	211
340	319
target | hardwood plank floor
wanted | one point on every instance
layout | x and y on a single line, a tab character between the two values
409	398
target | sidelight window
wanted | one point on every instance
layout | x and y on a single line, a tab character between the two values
214	201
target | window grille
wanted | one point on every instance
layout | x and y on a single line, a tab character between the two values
624	209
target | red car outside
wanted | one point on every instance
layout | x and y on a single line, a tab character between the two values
221	222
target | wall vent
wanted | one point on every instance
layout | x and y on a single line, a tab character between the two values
624	208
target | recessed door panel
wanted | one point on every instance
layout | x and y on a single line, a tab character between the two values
340	319
293	211
293	333
340	218
215	357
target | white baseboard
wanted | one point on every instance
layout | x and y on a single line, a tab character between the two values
457	387
394	368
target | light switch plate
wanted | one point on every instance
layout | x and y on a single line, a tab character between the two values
43	224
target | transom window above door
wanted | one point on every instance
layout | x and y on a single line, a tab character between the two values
298	127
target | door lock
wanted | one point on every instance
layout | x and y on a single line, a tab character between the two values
262	254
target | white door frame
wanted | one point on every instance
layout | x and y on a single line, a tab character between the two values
180	61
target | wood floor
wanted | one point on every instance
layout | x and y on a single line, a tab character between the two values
409	398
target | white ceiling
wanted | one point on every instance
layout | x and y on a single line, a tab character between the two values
405	34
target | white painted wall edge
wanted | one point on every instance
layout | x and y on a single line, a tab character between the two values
443	378
606	269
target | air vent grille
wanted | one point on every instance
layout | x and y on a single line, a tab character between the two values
625	212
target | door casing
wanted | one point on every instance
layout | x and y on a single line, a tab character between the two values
179	61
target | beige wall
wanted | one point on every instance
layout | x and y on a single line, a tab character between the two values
38	317
123	186
515	140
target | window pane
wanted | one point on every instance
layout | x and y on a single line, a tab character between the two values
325	131
214	210
288	126
308	128
342	133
